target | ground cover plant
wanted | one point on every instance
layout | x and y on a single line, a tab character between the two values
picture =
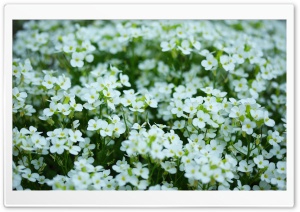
149	105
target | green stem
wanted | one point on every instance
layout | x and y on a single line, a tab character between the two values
153	168
125	121
249	150
178	178
136	117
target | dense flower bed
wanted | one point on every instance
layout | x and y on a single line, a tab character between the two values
149	105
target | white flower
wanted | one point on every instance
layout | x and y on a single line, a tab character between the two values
248	126
29	110
51	110
137	106
204	52
122	178
125	80
275	138
190	107
77	59
86	44
257	114
75	136
237	112
114	70
16	71
38	163
218	175
84	165
214	147
262	186
69	47
169	167
58	146
179	124
89	58
137	126
147	64
192	172
266	72
30	176
119	128
242	187
245	167
196	44
142	184
240	85
91	96
86	144
64	82
167	46
19	95
74	150
281	167
106	129
49	81
201	120
240	55
210	62
279	180
205	174
64	108
185	47
260	162
156	151
150	101
94	125
81	180
121	166
127	100
218	93
109	93
140	171
26	68
73	104
227	62
38	140
269	122
178	108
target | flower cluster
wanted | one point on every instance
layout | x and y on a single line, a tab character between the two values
149	105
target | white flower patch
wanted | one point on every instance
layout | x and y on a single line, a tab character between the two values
149	105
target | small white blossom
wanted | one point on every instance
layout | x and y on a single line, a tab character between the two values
77	59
